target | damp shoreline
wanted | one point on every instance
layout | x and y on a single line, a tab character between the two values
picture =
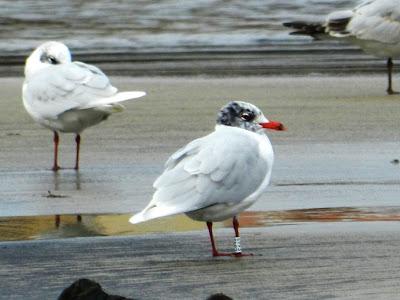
333	198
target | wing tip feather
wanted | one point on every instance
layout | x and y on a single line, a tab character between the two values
137	218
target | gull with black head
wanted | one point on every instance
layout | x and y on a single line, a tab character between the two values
216	177
67	96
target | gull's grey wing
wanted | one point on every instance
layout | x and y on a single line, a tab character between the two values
63	87
376	21
364	3
217	168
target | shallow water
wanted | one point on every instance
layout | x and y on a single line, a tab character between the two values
66	226
101	25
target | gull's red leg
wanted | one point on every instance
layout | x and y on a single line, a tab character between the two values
56	140
238	250
214	248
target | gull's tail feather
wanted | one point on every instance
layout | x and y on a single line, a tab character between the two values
152	212
137	218
119	97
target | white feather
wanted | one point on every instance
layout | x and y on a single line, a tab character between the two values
373	25
119	97
72	88
230	166
377	21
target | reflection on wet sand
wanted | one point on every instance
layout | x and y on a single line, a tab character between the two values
338	214
56	182
74	178
50	227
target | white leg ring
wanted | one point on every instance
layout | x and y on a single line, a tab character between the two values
238	249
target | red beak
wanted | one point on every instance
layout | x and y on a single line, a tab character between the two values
273	125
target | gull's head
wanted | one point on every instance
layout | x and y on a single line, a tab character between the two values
46	55
247	116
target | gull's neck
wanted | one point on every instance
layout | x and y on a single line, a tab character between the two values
259	131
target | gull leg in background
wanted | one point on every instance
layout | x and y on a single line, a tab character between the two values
56	140
390	71
78	144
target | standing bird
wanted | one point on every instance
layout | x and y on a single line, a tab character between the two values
217	176
374	26
67	96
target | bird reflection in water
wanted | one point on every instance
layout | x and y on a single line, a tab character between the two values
56	184
42	227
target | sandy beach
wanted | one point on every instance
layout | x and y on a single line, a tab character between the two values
320	261
339	151
342	136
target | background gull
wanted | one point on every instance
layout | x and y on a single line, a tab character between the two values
374	25
67	96
217	176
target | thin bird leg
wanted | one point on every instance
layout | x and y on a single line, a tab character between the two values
78	144
390	71
56	140
214	248
238	250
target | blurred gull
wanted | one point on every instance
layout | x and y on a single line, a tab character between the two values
217	176
374	25
67	96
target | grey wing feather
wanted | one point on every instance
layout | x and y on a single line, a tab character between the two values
377	21
207	171
183	152
67	87
96	79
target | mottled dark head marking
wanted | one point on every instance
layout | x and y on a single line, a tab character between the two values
240	114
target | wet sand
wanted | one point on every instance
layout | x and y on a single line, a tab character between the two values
323	261
92	225
342	137
339	152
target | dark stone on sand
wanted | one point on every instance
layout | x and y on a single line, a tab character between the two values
86	289
219	296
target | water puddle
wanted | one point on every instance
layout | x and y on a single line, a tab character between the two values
64	226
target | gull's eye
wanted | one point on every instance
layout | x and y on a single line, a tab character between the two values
246	116
51	59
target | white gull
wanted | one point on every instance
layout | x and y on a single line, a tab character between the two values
216	177
67	96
